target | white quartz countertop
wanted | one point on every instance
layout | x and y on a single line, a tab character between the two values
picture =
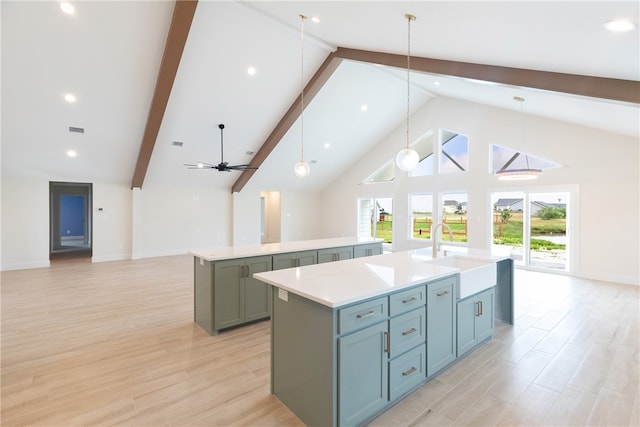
336	284
231	252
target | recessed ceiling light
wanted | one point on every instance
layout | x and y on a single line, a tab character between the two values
619	25
69	97
251	71
72	153
436	83
364	107
315	19
67	8
327	145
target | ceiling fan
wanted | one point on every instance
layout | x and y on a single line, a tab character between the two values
222	166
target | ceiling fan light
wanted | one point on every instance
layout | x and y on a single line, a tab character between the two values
302	168
407	159
518	174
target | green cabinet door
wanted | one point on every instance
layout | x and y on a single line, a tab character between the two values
335	254
363	372
257	294
228	293
441	324
294	259
307	258
370	249
281	261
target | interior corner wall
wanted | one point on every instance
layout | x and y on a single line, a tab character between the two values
602	165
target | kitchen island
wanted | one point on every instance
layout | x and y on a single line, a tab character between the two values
349	339
225	294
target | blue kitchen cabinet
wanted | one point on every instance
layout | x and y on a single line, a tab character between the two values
475	320
441	324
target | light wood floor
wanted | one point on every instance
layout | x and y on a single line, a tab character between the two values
115	344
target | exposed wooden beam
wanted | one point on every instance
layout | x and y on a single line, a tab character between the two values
183	13
595	87
312	88
590	86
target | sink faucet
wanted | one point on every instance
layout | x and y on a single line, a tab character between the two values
434	235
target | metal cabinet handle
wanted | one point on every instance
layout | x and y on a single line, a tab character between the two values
441	294
409	332
386	342
407	301
409	371
480	302
362	316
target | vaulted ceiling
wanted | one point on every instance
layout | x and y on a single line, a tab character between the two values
109	55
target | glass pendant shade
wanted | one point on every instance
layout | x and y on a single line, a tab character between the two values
407	159
302	168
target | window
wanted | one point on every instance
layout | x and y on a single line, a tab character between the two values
454	215
385	173
454	152
504	159
375	218
424	148
421	214
535	226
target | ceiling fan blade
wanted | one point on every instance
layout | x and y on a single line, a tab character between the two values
241	167
199	165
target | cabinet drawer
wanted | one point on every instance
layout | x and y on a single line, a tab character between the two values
363	314
407	300
407	371
407	331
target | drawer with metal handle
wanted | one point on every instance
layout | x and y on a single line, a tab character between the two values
407	331
363	314
407	372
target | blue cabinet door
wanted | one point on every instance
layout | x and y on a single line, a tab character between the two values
363	372
441	324
466	325
484	319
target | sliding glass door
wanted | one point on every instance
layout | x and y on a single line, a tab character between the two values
534	225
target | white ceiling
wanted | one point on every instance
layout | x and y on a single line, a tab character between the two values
108	55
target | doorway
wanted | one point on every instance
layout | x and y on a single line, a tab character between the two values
70	220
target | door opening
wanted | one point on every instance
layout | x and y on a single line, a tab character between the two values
70	220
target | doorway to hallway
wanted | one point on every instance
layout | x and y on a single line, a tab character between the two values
70	220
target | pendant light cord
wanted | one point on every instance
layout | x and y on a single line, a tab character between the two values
409	19
302	19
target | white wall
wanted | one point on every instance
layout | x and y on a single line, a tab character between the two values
25	221
301	216
602	166
171	220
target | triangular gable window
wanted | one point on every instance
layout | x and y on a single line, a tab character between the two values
386	173
505	159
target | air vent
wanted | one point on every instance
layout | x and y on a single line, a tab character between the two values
177	143
249	153
313	162
76	130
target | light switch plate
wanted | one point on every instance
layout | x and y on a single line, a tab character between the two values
283	295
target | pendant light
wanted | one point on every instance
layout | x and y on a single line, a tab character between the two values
408	158
302	168
523	174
